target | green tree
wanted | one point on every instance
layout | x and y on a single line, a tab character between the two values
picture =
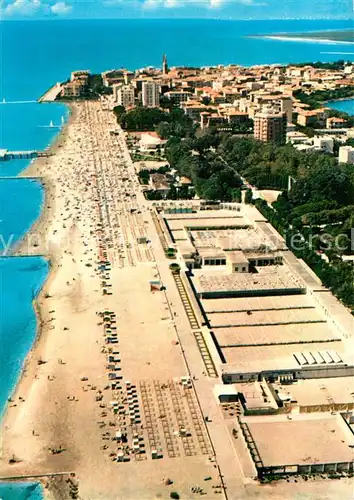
248	196
118	111
237	195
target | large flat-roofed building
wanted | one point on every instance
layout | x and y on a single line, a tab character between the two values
269	280
300	444
225	237
266	315
191	224
247	240
255	305
317	395
272	334
285	362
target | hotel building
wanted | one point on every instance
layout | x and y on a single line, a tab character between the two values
124	95
151	94
270	127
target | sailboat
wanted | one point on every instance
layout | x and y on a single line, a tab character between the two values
51	125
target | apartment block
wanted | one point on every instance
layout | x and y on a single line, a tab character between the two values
270	127
346	154
124	95
150	94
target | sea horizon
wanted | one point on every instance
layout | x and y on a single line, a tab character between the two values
109	18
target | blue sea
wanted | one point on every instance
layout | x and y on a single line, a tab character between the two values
21	491
39	53
346	106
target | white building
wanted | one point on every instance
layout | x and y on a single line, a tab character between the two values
296	137
346	154
151	94
124	95
150	141
324	143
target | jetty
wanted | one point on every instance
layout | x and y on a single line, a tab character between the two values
4	101
6	155
51	93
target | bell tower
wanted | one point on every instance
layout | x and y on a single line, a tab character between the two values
164	65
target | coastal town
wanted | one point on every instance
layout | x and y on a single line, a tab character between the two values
187	346
228	98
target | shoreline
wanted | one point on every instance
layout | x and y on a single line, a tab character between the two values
19	249
62	400
53	485
340	99
32	172
284	38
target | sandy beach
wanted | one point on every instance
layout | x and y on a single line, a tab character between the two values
61	417
307	40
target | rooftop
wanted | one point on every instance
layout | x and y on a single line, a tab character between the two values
272	335
256	359
190	221
256	394
302	439
245	240
303	317
236	257
267	278
213	252
276	303
319	391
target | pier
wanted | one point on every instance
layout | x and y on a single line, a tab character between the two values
6	155
4	101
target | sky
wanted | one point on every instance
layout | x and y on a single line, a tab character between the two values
224	9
